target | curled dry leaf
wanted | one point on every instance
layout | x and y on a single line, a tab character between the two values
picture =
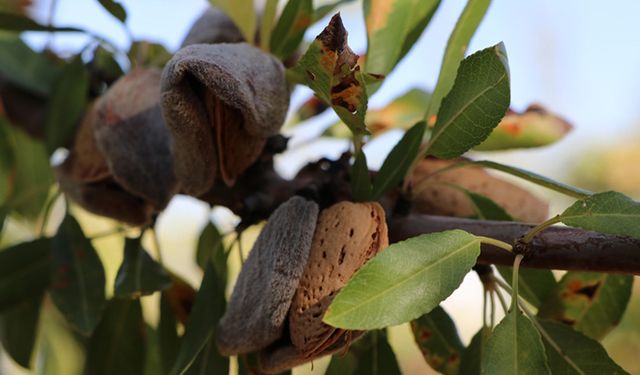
257	311
535	127
131	133
221	101
212	27
433	196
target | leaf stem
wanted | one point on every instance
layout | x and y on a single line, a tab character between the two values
496	243
514	280
528	237
502	301
493	310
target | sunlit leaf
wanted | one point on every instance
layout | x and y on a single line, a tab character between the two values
437	337
457	45
475	105
289	31
610	212
242	13
18	22
399	160
139	275
118	345
515	347
590	302
405	281
580	354
535	127
331	70
369	355
393	26
25	272
266	23
115	9
360	179
18	330
77	286
68	100
199	331
471	362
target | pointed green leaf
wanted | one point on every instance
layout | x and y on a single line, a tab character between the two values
115	9
471	362
168	340
289	31
210	247
360	179
331	70
534	284
475	105
266	23
105	65
580	354
242	13
153	358
139	275
68	100
209	361
590	302
199	331
369	355
457	45
118	345
484	207
405	281
399	160
25	272
22	66
393	26
324	10
18	22
610	212
437	337
515	347
77	286
18	330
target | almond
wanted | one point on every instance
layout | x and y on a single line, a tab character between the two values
433	196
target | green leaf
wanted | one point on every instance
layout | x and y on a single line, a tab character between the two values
399	160
610	212
330	69
324	10
405	281
475	105
289	31
466	26
210	247
105	65
590	302
153	358
78	283
18	330
168	340
18	22
484	207
209	361
199	332
25	68
515	347
139	275
534	285
25	272
142	53
437	337
118	345
68	100
369	355
534	128
242	13
392	28
115	9
266	23
360	179
471	362
578	351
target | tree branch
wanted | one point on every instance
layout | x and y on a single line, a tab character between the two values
555	248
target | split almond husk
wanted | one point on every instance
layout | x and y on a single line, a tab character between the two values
208	86
347	236
433	195
131	133
212	27
257	311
